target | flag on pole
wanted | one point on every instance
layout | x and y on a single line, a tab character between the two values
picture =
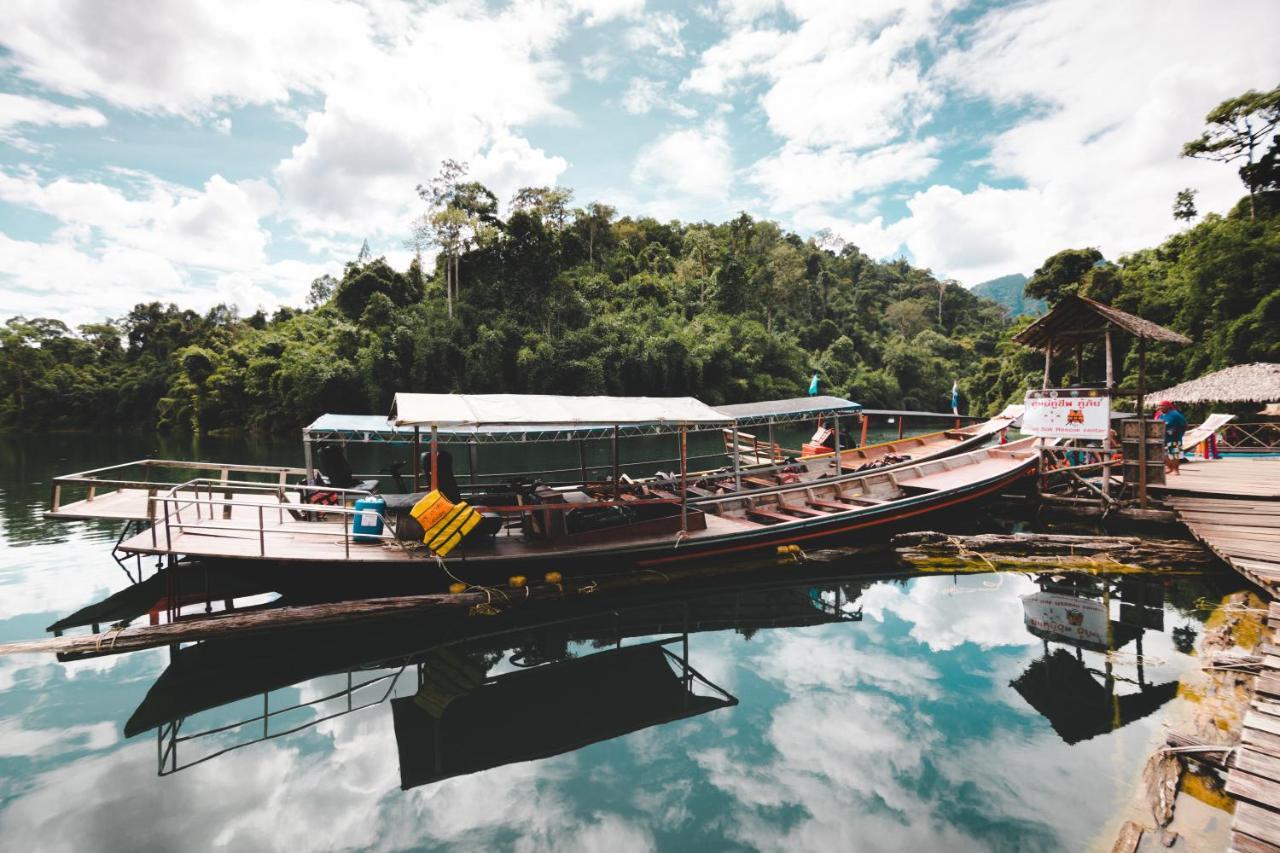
955	397
813	386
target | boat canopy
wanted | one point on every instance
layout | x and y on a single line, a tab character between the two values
594	417
548	417
794	409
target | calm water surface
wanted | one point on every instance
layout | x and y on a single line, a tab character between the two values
862	714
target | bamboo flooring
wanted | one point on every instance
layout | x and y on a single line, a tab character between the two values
1254	777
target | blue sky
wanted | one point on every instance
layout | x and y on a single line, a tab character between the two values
222	151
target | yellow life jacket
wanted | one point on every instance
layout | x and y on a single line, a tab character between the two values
444	523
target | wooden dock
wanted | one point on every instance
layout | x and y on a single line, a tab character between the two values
1228	478
1254	777
1233	507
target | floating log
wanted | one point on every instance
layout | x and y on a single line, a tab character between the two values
487	600
1048	551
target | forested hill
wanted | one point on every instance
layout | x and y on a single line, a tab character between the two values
583	302
547	300
1009	291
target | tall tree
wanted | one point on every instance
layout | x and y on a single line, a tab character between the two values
1184	206
1237	126
1060	275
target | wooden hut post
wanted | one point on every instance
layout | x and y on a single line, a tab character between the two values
1142	422
902	424
1044	386
866	420
417	458
617	474
435	449
684	479
1106	442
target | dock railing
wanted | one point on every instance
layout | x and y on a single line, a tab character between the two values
166	511
110	477
1250	437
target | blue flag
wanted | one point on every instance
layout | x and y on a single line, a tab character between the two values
813	386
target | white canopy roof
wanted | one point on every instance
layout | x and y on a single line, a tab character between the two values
490	410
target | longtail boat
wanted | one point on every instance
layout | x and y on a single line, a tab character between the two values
558	529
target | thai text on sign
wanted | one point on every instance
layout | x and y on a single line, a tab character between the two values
1067	413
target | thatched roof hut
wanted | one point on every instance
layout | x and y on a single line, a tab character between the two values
1244	383
1078	318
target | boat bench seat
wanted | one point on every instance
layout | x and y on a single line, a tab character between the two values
862	500
801	511
768	513
830	506
759	482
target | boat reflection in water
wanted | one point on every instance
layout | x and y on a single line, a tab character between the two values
487	692
1075	611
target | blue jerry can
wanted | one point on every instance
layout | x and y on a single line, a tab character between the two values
366	524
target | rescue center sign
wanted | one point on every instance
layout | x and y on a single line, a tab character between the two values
1081	620
1067	413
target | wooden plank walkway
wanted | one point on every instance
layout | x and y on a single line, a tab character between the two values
1254	777
1243	532
1233	507
1246	478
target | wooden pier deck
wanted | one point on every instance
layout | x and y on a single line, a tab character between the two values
1233	507
1254	777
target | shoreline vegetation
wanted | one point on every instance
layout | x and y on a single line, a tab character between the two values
563	300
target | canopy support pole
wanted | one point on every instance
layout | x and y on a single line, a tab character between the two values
866	422
737	464
473	460
684	479
435	450
617	476
417	458
582	459
772	445
306	454
1106	442
835	428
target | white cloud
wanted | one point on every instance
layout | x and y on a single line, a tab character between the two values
645	94
18	110
657	33
186	60
387	125
694	162
603	11
797	176
1098	154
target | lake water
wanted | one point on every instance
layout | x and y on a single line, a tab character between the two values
854	711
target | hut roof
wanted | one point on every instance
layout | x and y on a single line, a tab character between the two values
1077	318
1244	383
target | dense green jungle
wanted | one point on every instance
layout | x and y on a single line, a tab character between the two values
565	300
